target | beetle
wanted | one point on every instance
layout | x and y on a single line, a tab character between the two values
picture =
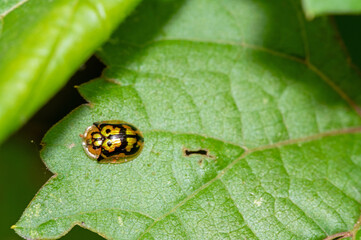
112	141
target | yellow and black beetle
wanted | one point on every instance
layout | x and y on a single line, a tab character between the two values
112	141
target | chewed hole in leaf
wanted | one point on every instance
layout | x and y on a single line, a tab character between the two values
203	152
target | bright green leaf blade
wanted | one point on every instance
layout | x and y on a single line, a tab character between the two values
42	44
323	7
270	96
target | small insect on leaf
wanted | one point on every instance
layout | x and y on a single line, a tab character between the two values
112	141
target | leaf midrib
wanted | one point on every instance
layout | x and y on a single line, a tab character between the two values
345	131
248	152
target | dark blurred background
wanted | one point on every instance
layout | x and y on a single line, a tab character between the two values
22	171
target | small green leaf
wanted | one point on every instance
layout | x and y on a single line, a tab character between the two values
322	7
42	44
270	97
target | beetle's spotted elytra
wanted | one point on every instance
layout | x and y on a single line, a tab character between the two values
112	141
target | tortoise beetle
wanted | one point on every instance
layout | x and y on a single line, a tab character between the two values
112	141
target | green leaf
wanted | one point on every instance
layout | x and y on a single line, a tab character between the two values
270	96
42	44
322	7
